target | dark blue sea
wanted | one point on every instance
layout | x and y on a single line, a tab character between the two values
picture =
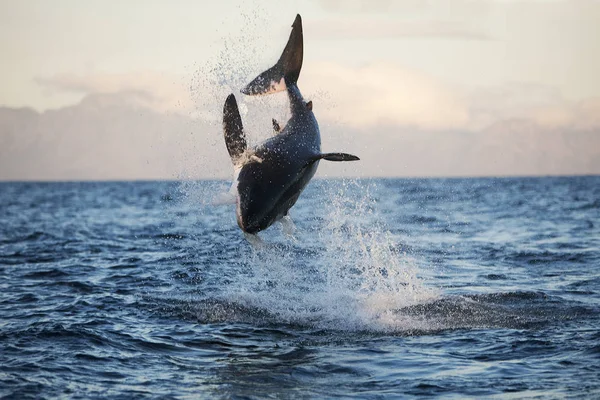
389	288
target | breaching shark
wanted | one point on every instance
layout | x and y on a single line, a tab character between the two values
269	177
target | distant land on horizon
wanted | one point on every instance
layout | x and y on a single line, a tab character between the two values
228	180
118	137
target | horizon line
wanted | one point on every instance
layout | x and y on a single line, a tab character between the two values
148	180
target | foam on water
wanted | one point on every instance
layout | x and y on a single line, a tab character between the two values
341	271
133	277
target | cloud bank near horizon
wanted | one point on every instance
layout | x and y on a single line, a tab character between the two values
399	122
379	93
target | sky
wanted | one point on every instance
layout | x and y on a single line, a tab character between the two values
134	90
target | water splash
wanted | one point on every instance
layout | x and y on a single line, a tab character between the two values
346	272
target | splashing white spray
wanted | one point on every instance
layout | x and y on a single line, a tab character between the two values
345	274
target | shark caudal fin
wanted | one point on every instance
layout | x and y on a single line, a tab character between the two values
235	140
287	69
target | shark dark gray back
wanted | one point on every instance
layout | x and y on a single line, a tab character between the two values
271	176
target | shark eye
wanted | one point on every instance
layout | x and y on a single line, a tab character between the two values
309	105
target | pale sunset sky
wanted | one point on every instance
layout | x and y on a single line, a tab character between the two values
134	89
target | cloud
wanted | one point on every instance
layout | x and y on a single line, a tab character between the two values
399	121
384	28
111	136
107	136
376	94
442	19
382	6
385	94
373	95
542	105
356	5
158	91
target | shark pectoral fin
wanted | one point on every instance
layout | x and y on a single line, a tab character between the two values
235	139
335	157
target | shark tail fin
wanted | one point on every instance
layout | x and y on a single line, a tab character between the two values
286	71
235	139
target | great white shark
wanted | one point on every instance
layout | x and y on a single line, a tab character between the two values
269	177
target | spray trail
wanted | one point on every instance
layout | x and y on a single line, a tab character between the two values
345	272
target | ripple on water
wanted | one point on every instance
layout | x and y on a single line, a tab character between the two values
470	288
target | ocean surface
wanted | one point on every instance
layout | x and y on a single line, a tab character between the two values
389	288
